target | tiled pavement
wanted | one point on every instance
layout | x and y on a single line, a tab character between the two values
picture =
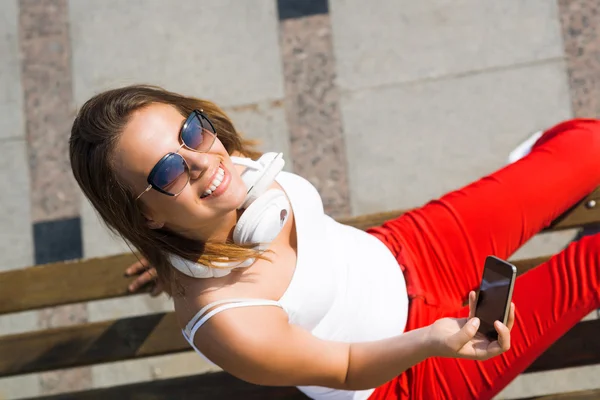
428	95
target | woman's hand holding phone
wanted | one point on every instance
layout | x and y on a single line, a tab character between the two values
458	337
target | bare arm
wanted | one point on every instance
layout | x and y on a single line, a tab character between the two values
258	345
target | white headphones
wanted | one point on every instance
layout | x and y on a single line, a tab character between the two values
266	212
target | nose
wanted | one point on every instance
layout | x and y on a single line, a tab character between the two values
197	162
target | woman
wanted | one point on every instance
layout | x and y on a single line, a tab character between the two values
341	313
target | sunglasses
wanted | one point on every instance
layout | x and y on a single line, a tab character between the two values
171	174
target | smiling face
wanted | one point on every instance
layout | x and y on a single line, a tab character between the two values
150	134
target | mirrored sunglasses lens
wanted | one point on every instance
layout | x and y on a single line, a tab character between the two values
198	133
171	175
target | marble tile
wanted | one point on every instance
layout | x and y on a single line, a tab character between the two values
412	143
57	240
223	50
404	40
11	94
312	108
47	95
581	34
290	9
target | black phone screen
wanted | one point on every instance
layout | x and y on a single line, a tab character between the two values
493	297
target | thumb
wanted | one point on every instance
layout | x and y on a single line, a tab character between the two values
466	333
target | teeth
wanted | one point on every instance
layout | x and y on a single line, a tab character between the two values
215	183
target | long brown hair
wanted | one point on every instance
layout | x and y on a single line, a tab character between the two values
94	135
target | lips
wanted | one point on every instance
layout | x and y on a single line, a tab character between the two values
218	184
215	183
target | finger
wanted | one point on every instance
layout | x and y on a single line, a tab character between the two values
466	333
137	267
156	290
510	322
472	300
493	349
141	280
503	335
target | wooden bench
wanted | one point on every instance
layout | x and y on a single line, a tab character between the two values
157	334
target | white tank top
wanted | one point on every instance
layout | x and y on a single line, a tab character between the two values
347	285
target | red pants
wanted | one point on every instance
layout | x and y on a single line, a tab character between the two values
442	247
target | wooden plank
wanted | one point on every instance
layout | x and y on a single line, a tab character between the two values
593	394
218	385
64	283
578	347
582	214
579	215
77	281
93	343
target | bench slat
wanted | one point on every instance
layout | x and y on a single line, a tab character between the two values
580	346
578	216
64	283
217	385
92	279
86	344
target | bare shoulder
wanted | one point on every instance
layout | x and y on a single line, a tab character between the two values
258	344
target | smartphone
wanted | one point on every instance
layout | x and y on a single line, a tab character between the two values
495	294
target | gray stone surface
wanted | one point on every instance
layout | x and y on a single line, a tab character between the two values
223	50
98	241
410	143
19	387
164	367
400	41
128	307
560	381
263	121
16	241
11	95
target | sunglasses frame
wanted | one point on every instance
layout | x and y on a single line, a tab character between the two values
194	114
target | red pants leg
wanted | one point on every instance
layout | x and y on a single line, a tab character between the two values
442	246
550	299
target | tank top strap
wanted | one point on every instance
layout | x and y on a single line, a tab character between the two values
218	306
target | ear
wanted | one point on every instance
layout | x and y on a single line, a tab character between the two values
150	223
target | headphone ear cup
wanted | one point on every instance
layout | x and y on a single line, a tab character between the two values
262	221
271	165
